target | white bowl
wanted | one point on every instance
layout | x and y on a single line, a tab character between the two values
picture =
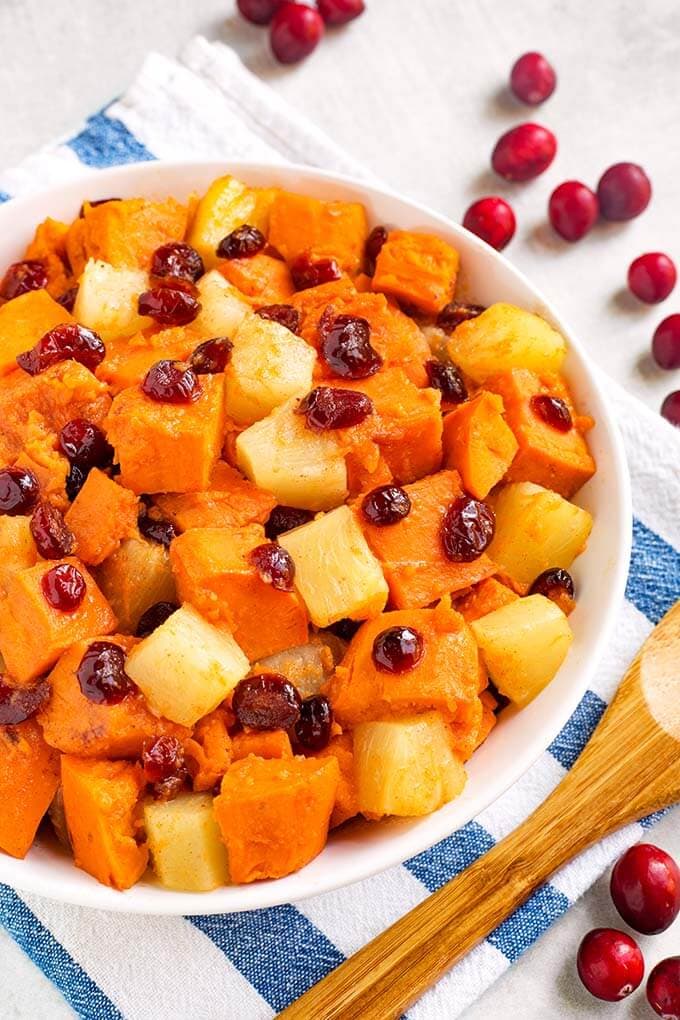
361	849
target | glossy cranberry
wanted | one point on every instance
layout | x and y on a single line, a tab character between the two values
346	348
53	539
328	408
22	277
345	629
295	32
456	312
285	518
168	306
663	988
241	243
75	480
493	220
467	529
313	728
177	259
388	504
532	78
339	12
652	277
373	247
624	191
156	529
84	444
19	703
310	272
154	617
670	409
19	491
68	342
666	343
573	209
398	649
274	564
285	315
554	583
172	382
67	300
101	674
162	758
524	152
553	411
63	587
645	888
266	702
259	12
445	377
610	964
212	356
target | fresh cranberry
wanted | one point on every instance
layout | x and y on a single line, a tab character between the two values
374	245
168	306
624	191
339	12
63	587
553	411
172	382
162	758
52	538
67	300
75	480
346	348
259	12
177	259
554	583
84	444
22	277
398	649
313	728
645	888
212	356
20	703
68	342
156	530
310	272
19	491
573	209
670	409
285	315
666	343
274	564
285	518
328	408
456	312
610	964
532	78
241	243
663	988
492	219
154	617
467	529
266	702
345	629
295	32
652	277
445	377
101	674
524	152
388	504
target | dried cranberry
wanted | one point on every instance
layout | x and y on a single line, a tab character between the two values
398	649
285	518
172	382
157	530
666	342
467	529
169	306
241	243
101	674
285	315
294	32
22	277
532	78
19	703
212	356
266	702
553	411
313	728
259	12
153	617
52	538
177	259
309	272
610	964
274	564
170	788
492	219
83	443
75	480
374	244
345	629
624	191
456	312
63	587
68	342
524	152
339	12
652	277
501	700
329	408
645	888
162	758
68	299
174	283
388	504
346	348
554	583
444	376
663	988
573	209
19	491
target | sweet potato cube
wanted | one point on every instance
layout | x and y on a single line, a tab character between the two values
17	549
29	777
101	516
134	577
411	552
262	743
167	447
264	279
230	501
299	224
478	443
33	635
228	203
128	359
274	814
420	269
346	805
485	597
214	573
107	300
24	321
126	233
312	302
100	801
48	464
48	246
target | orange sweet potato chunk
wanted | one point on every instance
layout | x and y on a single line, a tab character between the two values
411	552
229	501
24	321
101	516
49	247
419	269
446	678
341	748
274	814
29	777
128	359
263	744
312	302
557	460
478	443
485	597
209	750
41	456
264	279
214	573
300	224
100	802
33	635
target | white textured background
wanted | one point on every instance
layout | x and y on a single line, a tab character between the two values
415	90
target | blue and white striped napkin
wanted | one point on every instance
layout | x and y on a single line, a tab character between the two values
248	966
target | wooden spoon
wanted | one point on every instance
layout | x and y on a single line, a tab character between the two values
630	768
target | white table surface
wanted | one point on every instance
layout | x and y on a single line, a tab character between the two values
415	90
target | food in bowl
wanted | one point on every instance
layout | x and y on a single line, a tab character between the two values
284	524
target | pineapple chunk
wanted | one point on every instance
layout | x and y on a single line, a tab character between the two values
184	839
406	766
186	667
523	645
308	666
228	204
17	548
107	300
536	529
301	468
505	337
336	573
133	578
223	307
268	366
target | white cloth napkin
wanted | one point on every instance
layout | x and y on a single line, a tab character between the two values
207	105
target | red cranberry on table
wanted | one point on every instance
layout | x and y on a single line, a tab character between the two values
610	964
645	888
666	343
295	32
573	209
169	306
329	408
101	674
339	12
266	702
172	382
652	277
53	539
274	564
624	191
313	728
22	277
663	988
670	409
259	12
177	259
533	78
388	504
64	587
68	342
493	220
467	529
398	649
524	152
19	491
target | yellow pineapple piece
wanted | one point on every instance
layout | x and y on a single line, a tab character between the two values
227	204
107	300
187	851
133	578
223	307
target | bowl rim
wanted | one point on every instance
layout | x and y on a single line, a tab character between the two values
86	891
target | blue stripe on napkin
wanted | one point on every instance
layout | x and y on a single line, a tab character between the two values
654	579
570	741
439	864
4	197
105	141
514	936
